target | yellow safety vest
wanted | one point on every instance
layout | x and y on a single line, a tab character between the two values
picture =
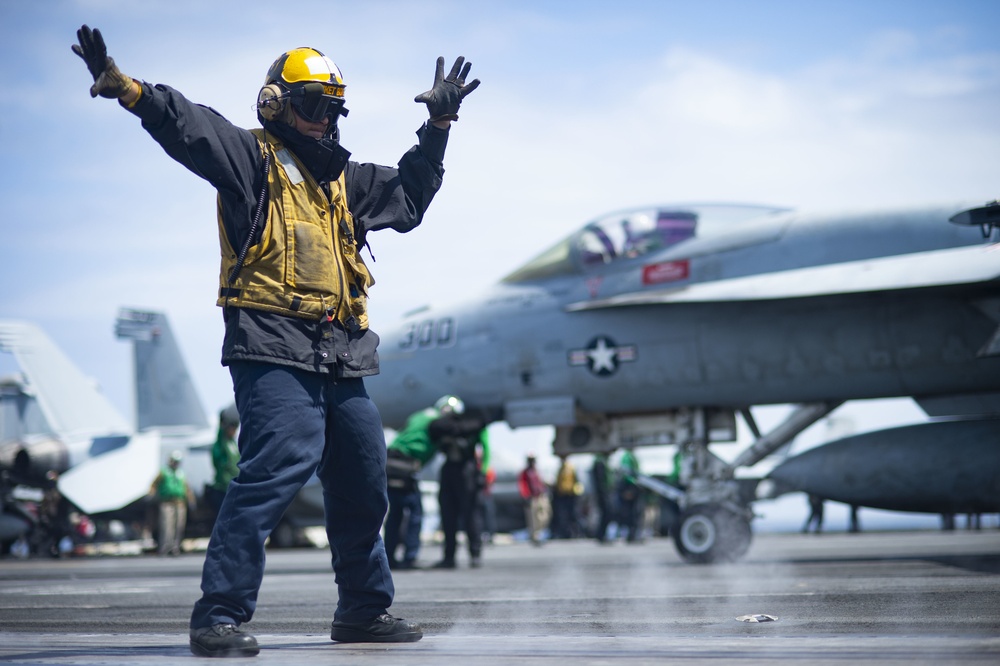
566	483
307	263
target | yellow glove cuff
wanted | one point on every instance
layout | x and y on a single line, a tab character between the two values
137	97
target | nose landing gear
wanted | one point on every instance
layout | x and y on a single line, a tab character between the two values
711	533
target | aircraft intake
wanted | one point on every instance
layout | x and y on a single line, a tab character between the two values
30	459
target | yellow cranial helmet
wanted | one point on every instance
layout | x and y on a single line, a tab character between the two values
307	80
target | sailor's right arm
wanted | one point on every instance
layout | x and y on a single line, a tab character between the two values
197	136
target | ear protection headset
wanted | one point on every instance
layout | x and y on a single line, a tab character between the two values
272	103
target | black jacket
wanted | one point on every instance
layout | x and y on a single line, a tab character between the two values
229	158
456	436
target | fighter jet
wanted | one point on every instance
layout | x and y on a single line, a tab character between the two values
54	418
662	325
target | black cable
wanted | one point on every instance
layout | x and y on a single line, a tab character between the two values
255	224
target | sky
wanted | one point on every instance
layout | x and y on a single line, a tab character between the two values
584	108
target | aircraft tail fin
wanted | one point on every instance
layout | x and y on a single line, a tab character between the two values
165	394
71	403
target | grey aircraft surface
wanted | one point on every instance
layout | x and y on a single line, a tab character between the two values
663	325
53	418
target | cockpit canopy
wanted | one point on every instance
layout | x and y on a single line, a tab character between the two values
630	234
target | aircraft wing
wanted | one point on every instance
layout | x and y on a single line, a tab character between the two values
115	479
71	402
953	266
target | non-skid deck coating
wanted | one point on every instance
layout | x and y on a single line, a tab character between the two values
886	598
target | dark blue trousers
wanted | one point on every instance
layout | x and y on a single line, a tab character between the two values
458	495
404	506
293	424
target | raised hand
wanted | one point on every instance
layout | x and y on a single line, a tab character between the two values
447	93
109	82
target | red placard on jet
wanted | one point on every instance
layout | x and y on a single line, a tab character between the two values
666	271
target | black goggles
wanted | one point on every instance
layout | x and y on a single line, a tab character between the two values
315	101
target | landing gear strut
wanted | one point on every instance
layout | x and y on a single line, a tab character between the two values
714	525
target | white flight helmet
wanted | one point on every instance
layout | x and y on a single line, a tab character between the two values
449	404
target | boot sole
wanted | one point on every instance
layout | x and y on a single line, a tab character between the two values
201	651
347	635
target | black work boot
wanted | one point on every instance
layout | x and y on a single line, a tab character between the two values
383	629
223	640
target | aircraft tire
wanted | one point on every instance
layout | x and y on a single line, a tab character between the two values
709	534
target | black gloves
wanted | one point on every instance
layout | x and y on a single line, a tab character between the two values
109	82
447	94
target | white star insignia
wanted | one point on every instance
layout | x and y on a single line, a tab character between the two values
602	357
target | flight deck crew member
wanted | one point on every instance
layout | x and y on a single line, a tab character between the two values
815	519
602	484
225	457
53	518
293	215
630	503
565	523
173	497
534	492
464	442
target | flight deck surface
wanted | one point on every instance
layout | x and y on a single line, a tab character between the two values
886	598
